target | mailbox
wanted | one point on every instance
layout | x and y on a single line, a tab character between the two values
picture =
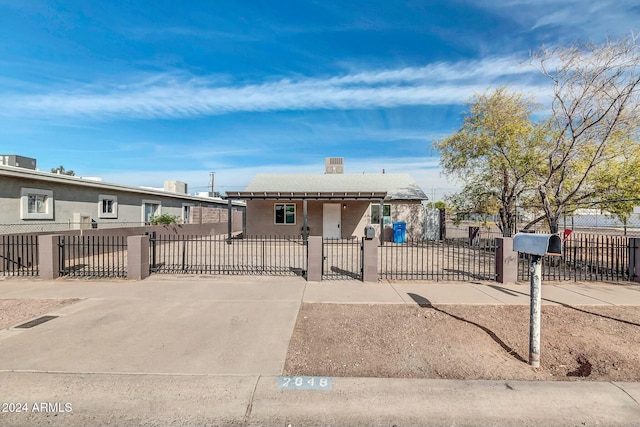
369	233
538	244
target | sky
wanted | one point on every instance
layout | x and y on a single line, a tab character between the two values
138	92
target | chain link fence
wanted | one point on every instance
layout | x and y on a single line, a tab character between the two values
592	218
52	227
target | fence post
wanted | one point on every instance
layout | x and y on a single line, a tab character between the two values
49	256
314	261
506	260
370	260
138	267
634	259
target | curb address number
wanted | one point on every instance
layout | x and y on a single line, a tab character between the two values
305	383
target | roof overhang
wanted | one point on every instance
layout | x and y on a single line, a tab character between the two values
284	195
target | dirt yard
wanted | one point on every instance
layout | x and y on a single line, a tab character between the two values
464	342
13	312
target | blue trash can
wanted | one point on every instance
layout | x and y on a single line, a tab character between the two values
399	232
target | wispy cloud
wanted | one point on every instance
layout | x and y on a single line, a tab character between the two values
572	19
180	96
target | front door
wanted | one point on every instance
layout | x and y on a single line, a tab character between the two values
331	219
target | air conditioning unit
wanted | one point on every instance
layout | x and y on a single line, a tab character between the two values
334	165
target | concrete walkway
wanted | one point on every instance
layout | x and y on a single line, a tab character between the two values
175	350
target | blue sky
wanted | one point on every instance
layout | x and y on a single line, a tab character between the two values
137	92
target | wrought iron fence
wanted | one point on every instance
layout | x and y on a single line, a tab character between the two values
341	259
19	255
253	255
585	257
449	259
93	256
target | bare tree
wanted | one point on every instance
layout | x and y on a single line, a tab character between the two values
594	120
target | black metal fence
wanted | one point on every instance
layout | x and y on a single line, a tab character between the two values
93	256
585	257
253	255
341	259
19	255
449	259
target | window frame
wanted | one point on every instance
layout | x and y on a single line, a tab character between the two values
186	209
384	209
146	202
114	205
25	193
284	219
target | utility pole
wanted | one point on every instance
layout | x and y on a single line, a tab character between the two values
212	175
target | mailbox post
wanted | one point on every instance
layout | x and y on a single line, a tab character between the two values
536	245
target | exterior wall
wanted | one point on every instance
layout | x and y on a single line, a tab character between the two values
409	211
73	201
355	217
260	220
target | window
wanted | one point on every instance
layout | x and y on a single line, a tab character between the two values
36	203
285	213
375	214
150	208
186	212
107	206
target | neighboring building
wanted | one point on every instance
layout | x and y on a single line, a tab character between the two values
32	201
333	205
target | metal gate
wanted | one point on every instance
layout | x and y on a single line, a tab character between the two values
253	255
449	259
93	256
342	259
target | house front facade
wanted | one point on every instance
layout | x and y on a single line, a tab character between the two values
332	205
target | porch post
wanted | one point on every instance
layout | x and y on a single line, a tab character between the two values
244	221
381	222
229	219
304	220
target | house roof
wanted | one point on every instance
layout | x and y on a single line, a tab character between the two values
18	172
335	186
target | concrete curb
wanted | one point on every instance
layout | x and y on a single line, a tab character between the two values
142	399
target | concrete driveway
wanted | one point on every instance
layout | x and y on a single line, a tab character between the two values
186	326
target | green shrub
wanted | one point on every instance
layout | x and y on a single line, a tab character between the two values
163	219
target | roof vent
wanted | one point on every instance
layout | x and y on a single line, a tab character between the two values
334	165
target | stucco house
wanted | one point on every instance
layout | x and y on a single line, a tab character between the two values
333	204
36	201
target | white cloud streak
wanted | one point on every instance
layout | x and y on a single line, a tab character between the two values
168	96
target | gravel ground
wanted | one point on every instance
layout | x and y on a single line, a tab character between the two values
464	342
16	311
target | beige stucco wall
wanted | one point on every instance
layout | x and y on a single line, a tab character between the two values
355	217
